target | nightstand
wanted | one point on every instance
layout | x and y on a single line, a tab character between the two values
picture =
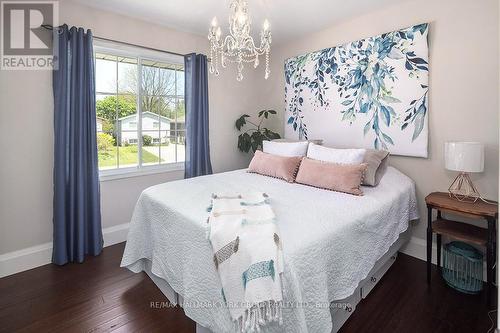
468	233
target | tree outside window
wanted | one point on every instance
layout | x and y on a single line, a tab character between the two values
161	111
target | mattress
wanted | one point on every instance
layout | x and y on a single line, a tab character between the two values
331	241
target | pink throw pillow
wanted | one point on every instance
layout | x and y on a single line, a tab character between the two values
275	166
345	178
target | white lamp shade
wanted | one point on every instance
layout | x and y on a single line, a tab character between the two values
464	156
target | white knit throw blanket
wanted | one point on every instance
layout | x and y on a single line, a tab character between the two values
248	256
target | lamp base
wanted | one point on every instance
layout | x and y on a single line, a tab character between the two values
463	189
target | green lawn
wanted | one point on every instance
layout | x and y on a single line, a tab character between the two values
128	155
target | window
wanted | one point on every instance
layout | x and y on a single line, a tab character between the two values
140	108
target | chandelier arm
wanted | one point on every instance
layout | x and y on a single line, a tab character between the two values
259	50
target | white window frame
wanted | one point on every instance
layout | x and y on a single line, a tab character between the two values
136	52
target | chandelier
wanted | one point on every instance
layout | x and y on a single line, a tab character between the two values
238	47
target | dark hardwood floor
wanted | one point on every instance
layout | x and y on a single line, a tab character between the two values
99	296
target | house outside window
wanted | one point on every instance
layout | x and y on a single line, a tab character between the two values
140	109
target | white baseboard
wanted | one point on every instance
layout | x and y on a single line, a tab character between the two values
417	247
115	234
35	256
22	260
39	255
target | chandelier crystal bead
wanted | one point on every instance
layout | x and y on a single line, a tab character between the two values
238	47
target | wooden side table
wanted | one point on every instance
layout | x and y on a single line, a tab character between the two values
462	231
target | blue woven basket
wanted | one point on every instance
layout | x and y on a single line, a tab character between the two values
463	267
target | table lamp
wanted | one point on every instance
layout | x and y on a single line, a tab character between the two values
464	157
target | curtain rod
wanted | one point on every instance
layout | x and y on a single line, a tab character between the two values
49	27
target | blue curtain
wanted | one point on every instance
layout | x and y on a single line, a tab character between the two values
77	216
196	90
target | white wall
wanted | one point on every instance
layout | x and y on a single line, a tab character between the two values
26	107
464	83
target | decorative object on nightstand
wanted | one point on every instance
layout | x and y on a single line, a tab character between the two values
464	157
442	202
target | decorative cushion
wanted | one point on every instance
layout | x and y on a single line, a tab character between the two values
275	166
377	161
345	178
285	148
334	155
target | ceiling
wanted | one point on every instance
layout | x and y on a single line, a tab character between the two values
288	18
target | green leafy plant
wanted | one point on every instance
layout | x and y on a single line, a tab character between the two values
252	138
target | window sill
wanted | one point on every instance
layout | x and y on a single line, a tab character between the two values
107	175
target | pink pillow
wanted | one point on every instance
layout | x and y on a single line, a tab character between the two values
345	178
275	166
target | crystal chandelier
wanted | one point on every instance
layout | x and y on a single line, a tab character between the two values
238	47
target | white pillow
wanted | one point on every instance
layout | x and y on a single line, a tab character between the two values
333	155
287	149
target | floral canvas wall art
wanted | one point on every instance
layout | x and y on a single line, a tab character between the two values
370	93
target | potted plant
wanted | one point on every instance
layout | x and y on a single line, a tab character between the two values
252	137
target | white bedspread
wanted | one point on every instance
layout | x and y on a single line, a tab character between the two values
330	241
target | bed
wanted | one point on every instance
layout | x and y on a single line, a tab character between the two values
333	244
